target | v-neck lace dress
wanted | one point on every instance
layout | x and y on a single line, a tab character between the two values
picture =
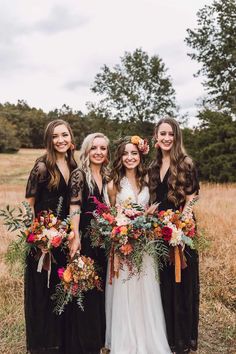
85	330
134	314
44	329
180	300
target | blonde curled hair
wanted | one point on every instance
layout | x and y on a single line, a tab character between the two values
84	161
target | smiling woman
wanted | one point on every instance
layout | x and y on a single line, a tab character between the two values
85	330
47	184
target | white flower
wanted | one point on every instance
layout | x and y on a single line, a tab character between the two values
54	220
121	219
80	263
50	233
176	237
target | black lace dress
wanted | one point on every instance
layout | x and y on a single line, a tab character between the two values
180	300
85	330
44	329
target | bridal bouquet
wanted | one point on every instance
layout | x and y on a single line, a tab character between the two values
77	278
125	233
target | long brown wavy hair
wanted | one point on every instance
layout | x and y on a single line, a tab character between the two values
118	170
50	156
180	164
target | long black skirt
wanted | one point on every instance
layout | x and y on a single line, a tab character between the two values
181	304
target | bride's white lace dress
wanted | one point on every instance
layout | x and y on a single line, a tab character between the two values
134	315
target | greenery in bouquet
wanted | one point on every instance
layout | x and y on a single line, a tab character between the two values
46	231
125	232
77	278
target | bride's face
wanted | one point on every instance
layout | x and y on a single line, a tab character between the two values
131	157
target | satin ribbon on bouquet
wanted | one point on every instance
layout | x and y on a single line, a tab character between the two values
178	259
114	265
45	262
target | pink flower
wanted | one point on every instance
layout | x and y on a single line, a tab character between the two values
56	241
31	238
60	272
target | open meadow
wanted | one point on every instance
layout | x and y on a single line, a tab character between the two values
216	216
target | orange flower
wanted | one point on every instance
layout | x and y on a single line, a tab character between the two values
110	218
135	139
67	275
123	230
126	249
157	231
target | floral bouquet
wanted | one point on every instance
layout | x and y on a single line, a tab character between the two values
78	277
178	229
42	233
124	231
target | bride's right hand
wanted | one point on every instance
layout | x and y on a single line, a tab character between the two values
152	208
74	245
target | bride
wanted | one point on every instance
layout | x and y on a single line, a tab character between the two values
134	314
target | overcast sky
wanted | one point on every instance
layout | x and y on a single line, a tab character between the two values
51	50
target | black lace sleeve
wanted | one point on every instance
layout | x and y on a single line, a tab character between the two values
76	186
38	175
192	183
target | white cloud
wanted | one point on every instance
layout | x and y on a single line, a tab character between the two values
51	50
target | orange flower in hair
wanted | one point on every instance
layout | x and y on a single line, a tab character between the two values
142	144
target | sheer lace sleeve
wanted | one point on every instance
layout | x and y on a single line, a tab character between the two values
76	186
37	176
192	183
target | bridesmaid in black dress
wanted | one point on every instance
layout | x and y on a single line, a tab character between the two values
173	182
47	185
85	330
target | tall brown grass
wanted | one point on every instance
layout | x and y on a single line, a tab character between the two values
216	215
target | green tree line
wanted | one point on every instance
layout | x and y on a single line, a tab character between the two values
212	144
137	91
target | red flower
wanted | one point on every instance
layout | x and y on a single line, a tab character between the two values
31	238
191	232
161	213
166	233
56	241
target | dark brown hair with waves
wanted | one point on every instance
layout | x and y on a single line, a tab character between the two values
118	170
180	165
50	156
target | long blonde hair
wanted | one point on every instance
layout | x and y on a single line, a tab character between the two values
84	162
180	164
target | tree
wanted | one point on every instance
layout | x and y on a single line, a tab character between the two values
214	45
213	146
8	136
138	89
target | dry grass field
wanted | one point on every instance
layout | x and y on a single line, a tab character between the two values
216	215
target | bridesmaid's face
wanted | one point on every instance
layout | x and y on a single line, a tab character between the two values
99	151
165	137
131	157
61	139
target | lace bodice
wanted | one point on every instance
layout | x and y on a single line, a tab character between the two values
127	191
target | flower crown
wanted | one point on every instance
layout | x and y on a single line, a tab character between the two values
142	144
